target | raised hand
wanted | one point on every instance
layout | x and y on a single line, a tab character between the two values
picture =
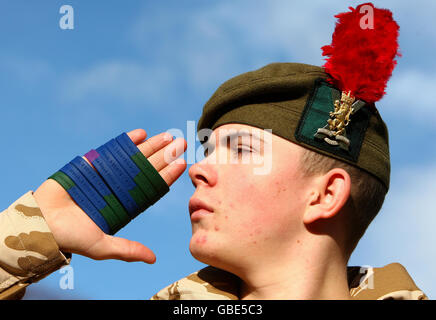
75	232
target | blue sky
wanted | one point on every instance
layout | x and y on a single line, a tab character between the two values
152	65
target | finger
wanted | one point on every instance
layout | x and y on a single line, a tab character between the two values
165	156
110	247
173	171
155	143
137	135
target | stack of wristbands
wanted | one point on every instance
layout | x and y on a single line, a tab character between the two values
124	185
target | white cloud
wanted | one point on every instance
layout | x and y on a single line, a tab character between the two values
27	70
123	80
410	94
200	47
411	199
224	38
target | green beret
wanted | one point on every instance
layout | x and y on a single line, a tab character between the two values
296	102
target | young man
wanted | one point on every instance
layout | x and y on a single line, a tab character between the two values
284	232
276	216
287	234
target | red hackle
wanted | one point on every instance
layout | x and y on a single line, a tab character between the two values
360	58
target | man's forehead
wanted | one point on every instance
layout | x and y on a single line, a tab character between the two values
236	130
247	132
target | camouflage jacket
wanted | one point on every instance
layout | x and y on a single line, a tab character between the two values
29	252
391	282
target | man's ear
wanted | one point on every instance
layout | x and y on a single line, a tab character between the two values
329	194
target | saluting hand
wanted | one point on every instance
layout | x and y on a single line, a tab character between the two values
75	232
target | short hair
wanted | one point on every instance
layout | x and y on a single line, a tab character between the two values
366	198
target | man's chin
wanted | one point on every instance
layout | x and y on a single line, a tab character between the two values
206	251
202	249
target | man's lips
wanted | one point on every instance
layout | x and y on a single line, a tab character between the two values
197	208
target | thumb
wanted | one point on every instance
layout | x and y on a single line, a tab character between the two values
110	247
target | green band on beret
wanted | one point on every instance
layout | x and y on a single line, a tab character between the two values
319	104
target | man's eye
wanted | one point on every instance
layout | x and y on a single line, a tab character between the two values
241	149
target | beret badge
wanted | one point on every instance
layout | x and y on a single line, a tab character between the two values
334	133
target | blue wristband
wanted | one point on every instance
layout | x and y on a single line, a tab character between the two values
134	172
96	199
97	182
113	180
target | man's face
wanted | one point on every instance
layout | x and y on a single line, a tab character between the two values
251	217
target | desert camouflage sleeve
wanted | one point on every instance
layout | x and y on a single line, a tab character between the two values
28	250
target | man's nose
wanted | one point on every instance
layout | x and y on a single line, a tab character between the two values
202	173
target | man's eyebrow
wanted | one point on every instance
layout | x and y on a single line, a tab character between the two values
224	139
